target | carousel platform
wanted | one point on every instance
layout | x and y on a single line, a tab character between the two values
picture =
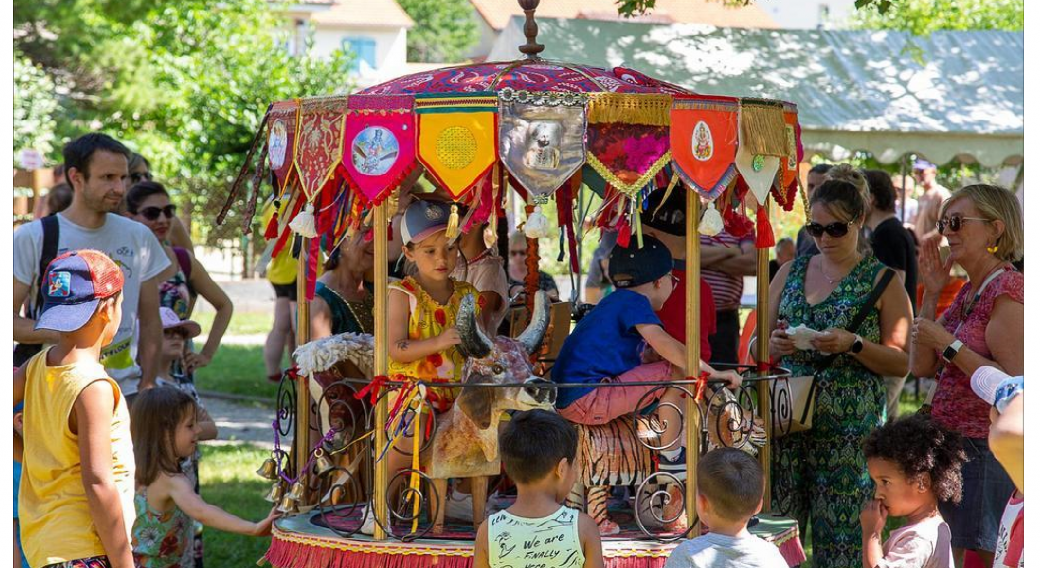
306	541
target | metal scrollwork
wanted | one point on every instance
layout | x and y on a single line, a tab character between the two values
783	406
663	496
337	485
658	427
412	503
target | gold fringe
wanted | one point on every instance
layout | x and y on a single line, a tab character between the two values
653	110
762	127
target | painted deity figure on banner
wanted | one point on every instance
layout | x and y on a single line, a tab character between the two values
702	143
542	145
374	151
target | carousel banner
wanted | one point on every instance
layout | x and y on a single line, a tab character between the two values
704	137
627	138
786	190
457	138
319	144
379	144
283	119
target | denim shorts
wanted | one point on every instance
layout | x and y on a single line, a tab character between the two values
975	521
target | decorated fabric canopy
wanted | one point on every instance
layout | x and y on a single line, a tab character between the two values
542	127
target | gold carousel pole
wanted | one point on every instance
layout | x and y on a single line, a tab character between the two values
302	440
693	351
765	402
381	354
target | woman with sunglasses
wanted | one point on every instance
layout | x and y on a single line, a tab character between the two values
982	327
148	203
141	170
820	476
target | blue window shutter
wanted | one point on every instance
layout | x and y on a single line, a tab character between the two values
363	48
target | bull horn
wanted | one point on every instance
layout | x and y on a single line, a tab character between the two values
532	337
474	343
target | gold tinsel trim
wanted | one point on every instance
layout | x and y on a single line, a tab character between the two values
653	110
762	127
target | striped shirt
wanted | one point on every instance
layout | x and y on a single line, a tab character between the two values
727	289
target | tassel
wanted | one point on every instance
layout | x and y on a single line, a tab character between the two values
762	127
652	110
711	221
624	235
303	224
271	232
537	226
452	230
763	230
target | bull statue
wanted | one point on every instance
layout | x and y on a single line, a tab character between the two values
465	444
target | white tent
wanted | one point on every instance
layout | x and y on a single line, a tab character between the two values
952	95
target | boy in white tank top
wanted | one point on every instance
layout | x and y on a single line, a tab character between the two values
538	449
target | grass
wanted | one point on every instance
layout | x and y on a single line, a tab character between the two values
238	369
242	323
229	481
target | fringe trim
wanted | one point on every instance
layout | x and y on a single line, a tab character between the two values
712	191
762	127
653	110
626	188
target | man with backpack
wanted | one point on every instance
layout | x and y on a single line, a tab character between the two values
96	166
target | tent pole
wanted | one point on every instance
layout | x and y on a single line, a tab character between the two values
381	354
302	440
764	401
693	352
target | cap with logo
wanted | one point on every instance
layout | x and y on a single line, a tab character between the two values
74	285
996	387
422	219
633	266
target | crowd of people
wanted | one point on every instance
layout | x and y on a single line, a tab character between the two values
111	420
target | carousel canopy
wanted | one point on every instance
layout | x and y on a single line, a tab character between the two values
953	95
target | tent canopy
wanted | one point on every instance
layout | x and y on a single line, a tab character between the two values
952	95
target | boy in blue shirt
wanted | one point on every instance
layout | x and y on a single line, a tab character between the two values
609	345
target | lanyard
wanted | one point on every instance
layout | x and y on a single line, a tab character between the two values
966	311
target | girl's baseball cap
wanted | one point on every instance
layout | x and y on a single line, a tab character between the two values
74	285
422	219
171	321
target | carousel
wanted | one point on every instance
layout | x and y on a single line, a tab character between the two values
552	134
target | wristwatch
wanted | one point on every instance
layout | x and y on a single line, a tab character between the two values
857	345
952	350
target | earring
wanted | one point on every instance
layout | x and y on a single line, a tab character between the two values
992	249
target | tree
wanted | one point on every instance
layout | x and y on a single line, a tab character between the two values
34	106
922	17
445	32
184	82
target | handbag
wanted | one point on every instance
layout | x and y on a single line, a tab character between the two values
794	398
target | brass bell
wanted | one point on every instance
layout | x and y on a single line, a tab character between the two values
287	505
296	492
275	494
322	462
268	470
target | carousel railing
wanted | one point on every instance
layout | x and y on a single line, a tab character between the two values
342	480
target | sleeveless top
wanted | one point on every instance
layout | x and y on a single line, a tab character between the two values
348	317
162	540
837	310
52	499
520	542
426	319
955	405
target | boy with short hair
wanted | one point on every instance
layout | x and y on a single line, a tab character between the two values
76	502
538	449
730	485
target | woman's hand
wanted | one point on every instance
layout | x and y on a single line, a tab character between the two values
780	344
933	273
448	338
872	517
834	340
193	361
926	334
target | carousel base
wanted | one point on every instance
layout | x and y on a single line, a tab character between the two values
300	541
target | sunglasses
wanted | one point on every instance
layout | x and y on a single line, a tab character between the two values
152	213
675	281
136	177
836	230
955	222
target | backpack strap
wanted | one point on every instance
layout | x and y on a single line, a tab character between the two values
49	251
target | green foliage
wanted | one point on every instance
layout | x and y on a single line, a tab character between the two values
445	30
228	480
922	17
34	106
238	369
185	82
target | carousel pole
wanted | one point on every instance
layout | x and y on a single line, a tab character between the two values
382	355
303	336
531	280
764	401
693	351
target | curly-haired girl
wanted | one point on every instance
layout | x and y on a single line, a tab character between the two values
915	464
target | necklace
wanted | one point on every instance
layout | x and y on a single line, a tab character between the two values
833	280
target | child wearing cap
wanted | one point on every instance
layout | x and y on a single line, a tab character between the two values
76	502
1007	441
608	346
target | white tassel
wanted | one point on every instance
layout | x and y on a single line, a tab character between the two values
537	225
711	221
303	224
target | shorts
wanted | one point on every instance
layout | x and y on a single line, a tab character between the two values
92	562
986	487
285	290
605	404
